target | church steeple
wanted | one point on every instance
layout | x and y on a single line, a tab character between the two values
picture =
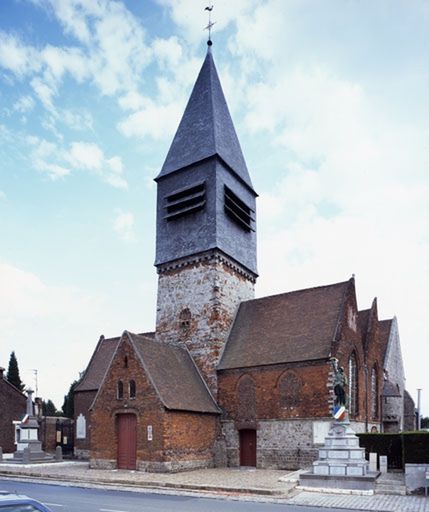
206	228
206	128
206	199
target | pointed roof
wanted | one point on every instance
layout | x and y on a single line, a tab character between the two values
100	362
174	375
290	327
206	128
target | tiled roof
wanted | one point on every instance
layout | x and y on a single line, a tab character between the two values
291	327
174	375
384	327
390	389
363	319
206	128
100	362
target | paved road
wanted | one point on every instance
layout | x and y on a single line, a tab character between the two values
75	499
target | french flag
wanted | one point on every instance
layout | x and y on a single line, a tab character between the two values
339	412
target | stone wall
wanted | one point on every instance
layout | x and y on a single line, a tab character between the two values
393	364
283	444
197	302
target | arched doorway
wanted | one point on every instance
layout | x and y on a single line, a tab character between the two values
247	447
127	441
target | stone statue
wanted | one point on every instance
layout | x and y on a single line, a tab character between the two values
340	383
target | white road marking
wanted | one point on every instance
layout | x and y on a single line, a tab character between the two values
52	504
111	510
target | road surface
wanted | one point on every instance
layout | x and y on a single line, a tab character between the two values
76	499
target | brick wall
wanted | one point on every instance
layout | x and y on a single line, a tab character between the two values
82	402
349	341
180	440
146	406
310	396
197	302
12	407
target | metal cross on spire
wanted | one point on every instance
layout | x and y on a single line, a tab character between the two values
210	23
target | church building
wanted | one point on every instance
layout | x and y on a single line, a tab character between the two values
227	379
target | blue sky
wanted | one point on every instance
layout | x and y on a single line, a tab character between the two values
329	100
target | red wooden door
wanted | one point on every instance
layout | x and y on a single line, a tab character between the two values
248	447
127	441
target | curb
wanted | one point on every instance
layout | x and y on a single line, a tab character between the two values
153	485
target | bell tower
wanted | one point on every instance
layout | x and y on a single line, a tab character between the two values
206	227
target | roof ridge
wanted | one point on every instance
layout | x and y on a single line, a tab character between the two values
341	283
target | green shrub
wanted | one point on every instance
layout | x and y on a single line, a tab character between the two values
384	444
416	447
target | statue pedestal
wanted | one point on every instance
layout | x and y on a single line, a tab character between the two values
341	463
29	448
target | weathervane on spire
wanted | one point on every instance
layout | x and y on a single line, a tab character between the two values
210	23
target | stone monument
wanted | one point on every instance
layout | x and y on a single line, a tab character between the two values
29	448
341	463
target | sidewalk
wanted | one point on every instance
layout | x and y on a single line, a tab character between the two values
243	484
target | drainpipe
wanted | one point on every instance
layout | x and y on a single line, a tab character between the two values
366	397
419	418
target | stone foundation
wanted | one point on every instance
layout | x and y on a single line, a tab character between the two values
81	454
173	466
103	464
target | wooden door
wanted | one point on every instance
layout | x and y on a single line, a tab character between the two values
248	447
127	441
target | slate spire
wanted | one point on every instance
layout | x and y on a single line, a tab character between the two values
206	128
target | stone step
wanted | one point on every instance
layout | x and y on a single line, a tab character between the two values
391	492
392	489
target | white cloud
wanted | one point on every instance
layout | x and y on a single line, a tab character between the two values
24	104
45	93
25	296
168	52
131	101
123	225
86	155
16	57
58	161
192	20
154	120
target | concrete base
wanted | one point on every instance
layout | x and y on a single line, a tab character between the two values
361	483
31	453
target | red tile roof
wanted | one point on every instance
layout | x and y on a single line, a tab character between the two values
290	327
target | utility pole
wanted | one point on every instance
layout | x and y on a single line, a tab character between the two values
36	379
419	418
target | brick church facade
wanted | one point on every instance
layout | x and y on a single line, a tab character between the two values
227	379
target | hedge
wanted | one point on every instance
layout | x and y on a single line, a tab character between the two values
408	447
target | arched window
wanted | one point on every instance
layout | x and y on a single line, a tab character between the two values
126	362
289	389
246	399
132	390
374	393
120	390
353	385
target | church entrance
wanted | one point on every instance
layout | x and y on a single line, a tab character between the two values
247	447
127	441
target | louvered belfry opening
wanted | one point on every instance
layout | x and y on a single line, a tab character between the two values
186	200
238	210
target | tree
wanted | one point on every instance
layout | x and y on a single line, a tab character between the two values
13	373
68	404
425	422
48	408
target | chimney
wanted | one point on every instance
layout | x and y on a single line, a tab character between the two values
1	373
